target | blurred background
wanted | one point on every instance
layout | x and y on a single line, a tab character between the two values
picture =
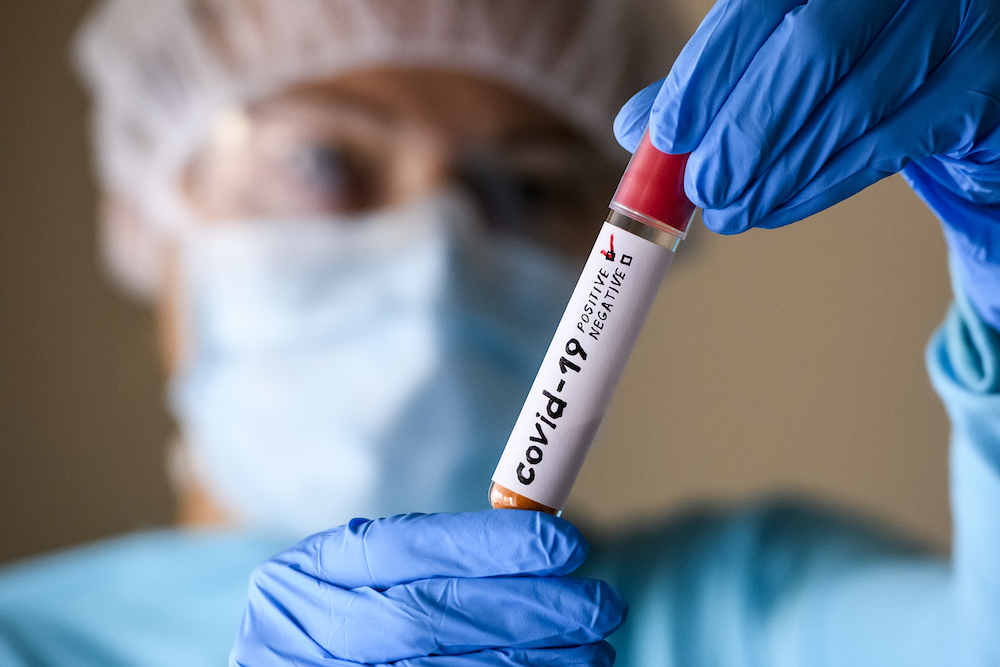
788	361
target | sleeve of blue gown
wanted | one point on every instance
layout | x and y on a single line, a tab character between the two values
784	585
964	362
162	598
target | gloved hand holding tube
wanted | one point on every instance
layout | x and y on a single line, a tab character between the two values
788	108
488	588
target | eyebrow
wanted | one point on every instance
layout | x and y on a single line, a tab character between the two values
553	159
344	106
538	146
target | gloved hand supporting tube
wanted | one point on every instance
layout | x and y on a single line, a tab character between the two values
485	588
789	107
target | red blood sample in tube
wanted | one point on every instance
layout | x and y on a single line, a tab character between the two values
652	189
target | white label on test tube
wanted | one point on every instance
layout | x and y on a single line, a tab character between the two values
582	367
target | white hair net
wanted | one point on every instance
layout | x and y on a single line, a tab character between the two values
160	71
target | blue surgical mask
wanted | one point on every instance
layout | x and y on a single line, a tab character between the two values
359	366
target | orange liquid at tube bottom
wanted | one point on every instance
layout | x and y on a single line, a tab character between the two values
649	203
503	498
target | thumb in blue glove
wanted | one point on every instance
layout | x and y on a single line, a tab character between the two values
789	107
486	588
972	231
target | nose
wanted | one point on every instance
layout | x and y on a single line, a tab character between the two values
422	163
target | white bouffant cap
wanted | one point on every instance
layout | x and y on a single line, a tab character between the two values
161	70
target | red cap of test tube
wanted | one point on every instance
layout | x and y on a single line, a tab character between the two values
652	189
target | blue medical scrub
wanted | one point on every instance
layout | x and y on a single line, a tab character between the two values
775	585
171	597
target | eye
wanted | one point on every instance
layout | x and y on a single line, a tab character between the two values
512	201
324	170
553	195
335	177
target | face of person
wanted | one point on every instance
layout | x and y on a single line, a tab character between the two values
379	138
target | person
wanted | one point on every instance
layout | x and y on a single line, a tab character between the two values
289	202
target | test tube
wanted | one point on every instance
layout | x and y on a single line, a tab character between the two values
649	217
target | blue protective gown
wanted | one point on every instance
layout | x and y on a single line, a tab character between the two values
172	598
774	585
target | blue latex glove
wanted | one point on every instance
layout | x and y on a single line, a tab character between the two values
487	588
788	107
791	106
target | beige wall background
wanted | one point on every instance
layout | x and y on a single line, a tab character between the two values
786	361
81	427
